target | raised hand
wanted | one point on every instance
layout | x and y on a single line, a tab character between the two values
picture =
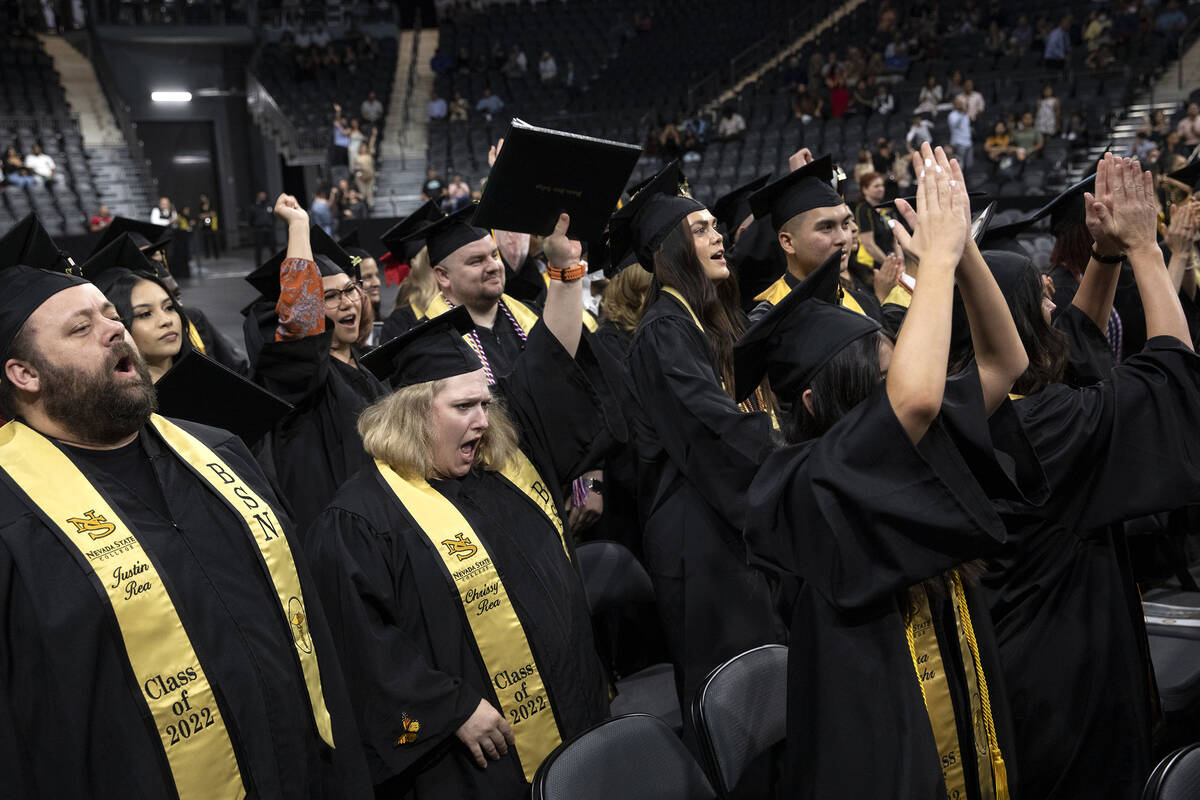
943	211
800	158
562	252
494	152
1135	209
1185	223
1098	208
889	272
288	210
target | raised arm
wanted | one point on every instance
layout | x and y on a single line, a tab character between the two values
301	305
916	380
563	313
1134	219
1099	285
1181	241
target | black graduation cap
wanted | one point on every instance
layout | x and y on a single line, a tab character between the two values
640	225
147	236
442	235
798	336
350	243
807	188
1008	268
1187	174
730	209
119	257
670	174
395	238
330	258
22	290
756	259
28	243
430	351
199	389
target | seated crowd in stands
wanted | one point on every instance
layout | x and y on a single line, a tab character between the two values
34	169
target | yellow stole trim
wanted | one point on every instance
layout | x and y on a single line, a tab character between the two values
935	691
495	626
900	296
194	338
589	321
522	313
274	548
746	406
778	290
170	678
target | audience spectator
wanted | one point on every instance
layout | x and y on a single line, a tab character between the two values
954	86
437	107
41	165
864	165
731	125
354	141
1058	45
806	106
1189	126
671	143
996	42
1098	30
101	219
209	225
15	171
1049	113
489	104
164	213
883	102
1141	146
1171	20
372	110
973	99
930	97
920	130
998	146
340	150
1100	59
354	207
960	132
432	189
460	109
839	95
1158	127
794	75
1021	39
1027	140
458	193
1076	130
364	171
547	67
320	213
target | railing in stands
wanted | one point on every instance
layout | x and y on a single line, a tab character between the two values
406	112
297	148
58	123
121	111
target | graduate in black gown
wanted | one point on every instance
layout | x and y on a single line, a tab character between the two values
161	634
697	449
880	506
1065	605
418	287
442	711
301	336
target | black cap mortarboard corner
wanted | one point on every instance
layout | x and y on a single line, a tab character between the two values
442	236
330	259
432	350
199	389
119	257
1188	174
350	243
29	244
641	225
671	174
146	235
800	190
397	238
730	209
798	336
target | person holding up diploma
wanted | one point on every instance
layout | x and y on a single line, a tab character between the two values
446	565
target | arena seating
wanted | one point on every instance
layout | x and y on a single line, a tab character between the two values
33	109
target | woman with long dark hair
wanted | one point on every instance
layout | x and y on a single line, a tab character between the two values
698	450
1063	599
877	511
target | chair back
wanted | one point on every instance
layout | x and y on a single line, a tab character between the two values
740	712
633	757
1177	777
612	576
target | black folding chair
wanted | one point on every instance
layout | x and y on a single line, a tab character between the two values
1177	777
634	757
740	712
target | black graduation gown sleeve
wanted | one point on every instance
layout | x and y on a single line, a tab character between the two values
378	634
714	445
566	409
892	315
1090	359
218	346
862	513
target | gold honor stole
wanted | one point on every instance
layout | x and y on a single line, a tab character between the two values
935	690
495	626
778	290
900	295
170	677
194	338
523	314
746	406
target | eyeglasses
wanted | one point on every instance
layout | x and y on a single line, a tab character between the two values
333	298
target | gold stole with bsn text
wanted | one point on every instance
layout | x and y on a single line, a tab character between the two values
495	626
171	680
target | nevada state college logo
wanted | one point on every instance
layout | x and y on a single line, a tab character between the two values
93	524
460	546
299	623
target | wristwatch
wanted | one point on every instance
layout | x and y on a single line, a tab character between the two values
594	485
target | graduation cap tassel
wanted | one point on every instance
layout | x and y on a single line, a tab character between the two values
999	772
